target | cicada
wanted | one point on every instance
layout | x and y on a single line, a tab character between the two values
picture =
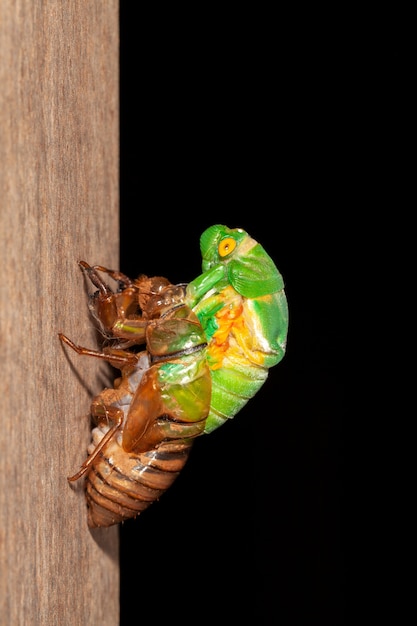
190	357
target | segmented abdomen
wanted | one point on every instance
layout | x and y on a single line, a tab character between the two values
121	485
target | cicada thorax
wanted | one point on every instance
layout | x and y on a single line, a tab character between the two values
147	423
173	398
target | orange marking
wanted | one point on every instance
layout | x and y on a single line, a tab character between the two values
231	322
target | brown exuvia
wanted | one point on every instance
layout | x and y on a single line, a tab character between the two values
146	423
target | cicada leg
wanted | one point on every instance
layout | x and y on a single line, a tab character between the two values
125	314
116	357
113	414
91	271
119	359
108	307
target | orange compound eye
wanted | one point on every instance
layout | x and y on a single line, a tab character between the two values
226	246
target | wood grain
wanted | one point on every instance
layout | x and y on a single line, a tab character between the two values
58	204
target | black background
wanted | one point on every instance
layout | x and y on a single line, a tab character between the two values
250	136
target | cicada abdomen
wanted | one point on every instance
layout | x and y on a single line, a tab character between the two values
120	484
147	423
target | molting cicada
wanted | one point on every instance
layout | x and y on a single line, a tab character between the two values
190	358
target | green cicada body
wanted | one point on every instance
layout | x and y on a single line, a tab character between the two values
207	349
240	302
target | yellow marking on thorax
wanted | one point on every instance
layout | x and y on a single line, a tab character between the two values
233	338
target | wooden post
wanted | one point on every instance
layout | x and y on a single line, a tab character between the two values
58	204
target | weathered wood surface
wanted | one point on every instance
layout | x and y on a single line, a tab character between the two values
58	204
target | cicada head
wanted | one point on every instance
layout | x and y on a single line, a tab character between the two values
247	266
219	244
